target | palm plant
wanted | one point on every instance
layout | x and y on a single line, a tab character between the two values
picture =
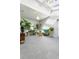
25	24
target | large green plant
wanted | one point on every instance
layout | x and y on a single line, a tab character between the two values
24	23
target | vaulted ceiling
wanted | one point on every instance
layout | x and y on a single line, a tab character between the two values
40	9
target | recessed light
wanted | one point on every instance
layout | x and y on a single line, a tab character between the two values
37	18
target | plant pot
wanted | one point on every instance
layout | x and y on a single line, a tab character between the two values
22	38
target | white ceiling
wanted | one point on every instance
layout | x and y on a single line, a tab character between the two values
30	13
34	5
33	8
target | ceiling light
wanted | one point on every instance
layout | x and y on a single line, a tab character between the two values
37	18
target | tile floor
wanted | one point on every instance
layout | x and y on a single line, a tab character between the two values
40	48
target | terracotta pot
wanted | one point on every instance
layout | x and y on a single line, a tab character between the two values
22	38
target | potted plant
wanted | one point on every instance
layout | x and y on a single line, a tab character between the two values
25	25
51	30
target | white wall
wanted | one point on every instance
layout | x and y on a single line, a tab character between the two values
56	30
